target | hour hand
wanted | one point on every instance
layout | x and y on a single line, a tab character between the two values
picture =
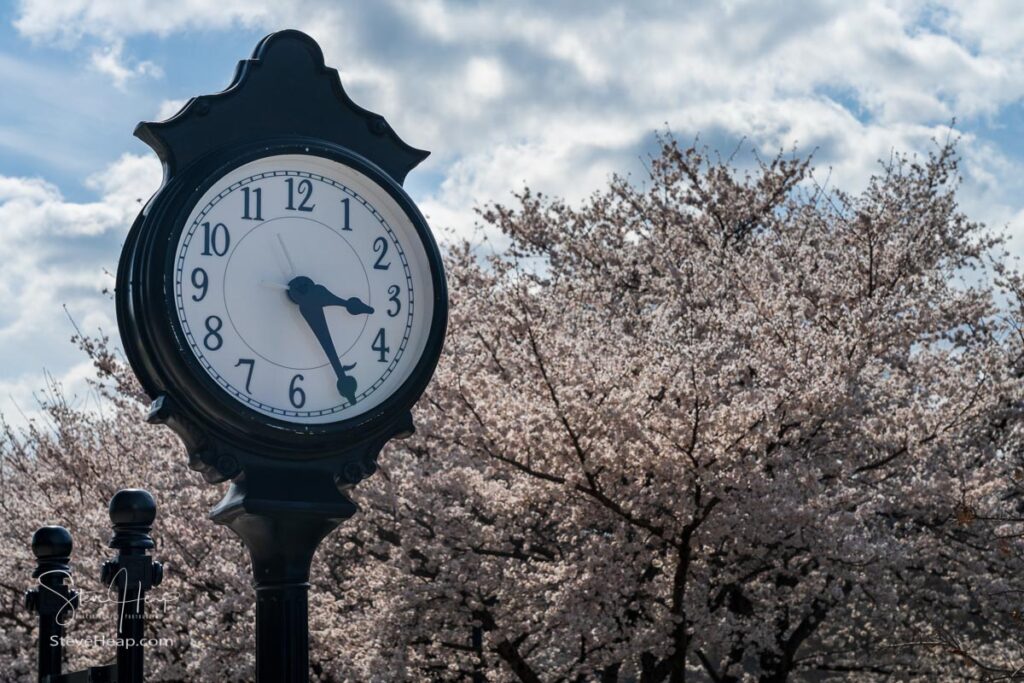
353	305
304	291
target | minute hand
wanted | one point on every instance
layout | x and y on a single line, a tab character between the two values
311	299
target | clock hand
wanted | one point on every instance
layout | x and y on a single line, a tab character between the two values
311	299
319	295
287	256
353	305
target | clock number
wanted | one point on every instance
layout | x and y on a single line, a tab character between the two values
305	192
200	281
379	347
246	213
251	362
380	245
213	340
216	240
393	292
345	215
295	394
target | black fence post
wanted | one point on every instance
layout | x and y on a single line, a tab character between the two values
53	601
477	642
131	574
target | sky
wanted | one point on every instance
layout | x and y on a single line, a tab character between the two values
554	95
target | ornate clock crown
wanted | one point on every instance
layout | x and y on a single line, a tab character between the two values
285	88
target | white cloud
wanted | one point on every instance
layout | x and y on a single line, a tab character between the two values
69	21
21	396
485	78
126	182
543	93
57	261
110	61
560	95
991	26
59	115
33	212
169	108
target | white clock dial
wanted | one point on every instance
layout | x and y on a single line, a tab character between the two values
303	289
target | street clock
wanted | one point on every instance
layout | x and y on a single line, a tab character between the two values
283	303
281	296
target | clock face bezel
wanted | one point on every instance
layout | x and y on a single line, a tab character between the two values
173	368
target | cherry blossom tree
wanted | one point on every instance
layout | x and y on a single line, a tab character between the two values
718	425
64	470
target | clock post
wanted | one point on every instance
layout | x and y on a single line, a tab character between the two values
283	303
281	543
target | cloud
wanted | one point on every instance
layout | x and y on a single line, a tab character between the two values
60	116
555	97
58	261
558	95
485	78
109	60
21	396
990	26
561	95
169	108
69	21
464	78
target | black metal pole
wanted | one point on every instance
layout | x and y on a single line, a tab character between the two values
131	574
52	600
282	537
477	641
281	549
282	616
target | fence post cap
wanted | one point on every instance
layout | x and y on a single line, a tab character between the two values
132	512
132	507
51	543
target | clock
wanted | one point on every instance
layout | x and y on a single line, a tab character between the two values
281	298
283	304
302	289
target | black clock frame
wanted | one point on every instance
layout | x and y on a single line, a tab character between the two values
219	431
223	436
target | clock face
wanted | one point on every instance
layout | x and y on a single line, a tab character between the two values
303	289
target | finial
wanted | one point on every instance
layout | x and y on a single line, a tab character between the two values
132	512
52	547
284	86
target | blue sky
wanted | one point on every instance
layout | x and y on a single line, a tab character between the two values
557	95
